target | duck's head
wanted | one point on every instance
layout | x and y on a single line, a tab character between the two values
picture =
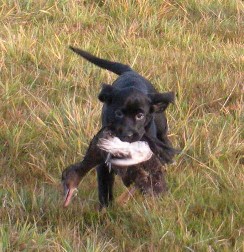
70	181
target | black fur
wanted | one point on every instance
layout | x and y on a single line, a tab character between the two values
114	67
132	109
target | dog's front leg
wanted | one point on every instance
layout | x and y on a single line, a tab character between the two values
105	179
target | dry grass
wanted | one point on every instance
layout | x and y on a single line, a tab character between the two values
49	112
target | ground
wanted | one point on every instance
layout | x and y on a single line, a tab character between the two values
49	112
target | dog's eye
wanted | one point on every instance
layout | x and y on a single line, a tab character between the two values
139	116
119	113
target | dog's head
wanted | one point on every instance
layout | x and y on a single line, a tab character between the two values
129	111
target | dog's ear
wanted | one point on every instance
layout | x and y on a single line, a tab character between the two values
159	102
106	93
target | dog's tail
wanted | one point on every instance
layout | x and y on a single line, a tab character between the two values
114	67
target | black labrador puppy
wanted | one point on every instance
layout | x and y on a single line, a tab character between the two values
132	109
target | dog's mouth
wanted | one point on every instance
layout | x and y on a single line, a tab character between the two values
130	138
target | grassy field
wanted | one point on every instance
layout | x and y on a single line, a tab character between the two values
49	112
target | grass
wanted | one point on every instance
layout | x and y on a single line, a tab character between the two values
49	111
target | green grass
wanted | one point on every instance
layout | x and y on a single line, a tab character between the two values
49	112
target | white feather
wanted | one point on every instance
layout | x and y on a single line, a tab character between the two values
129	153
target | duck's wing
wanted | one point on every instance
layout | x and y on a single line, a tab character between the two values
124	153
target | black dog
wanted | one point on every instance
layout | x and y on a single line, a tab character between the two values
132	108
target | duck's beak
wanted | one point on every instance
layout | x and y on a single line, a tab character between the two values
68	192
